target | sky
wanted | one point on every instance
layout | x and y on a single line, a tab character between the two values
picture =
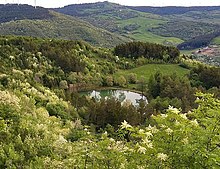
61	3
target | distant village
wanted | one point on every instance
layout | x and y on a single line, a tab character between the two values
209	54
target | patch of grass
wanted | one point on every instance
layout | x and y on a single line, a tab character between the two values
216	41
150	69
188	52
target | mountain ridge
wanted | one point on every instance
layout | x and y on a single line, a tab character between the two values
166	25
56	26
108	24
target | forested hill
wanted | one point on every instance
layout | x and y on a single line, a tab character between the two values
170	10
25	20
95	8
12	12
164	25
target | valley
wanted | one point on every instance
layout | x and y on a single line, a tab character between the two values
159	67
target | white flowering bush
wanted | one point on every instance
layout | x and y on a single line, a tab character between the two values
34	139
7	98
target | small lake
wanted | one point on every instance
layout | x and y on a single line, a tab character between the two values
121	95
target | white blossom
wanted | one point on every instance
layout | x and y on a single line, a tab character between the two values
17	72
164	115
62	139
177	123
195	122
11	57
185	140
148	134
125	125
163	126
162	156
169	131
174	110
152	129
148	143
141	131
111	139
7	98
183	116
142	150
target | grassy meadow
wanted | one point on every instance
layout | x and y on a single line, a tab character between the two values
144	72
216	41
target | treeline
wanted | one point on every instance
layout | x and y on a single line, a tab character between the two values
207	77
135	50
12	12
108	112
199	41
165	90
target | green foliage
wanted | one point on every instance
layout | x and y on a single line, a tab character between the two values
146	71
147	50
132	78
37	140
120	81
184	29
46	23
171	90
110	112
11	12
205	76
38	129
199	41
109	81
216	41
51	62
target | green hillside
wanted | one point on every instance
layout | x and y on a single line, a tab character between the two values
141	33
148	70
164	25
185	30
12	12
121	20
45	123
62	27
216	41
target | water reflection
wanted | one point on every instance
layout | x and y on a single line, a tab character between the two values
121	95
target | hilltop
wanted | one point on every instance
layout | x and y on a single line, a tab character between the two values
11	12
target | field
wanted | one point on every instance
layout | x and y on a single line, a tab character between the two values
216	41
142	33
147	70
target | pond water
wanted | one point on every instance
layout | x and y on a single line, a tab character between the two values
121	95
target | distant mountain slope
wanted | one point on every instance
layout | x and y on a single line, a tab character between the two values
102	14
166	25
183	29
171	10
56	26
121	20
19	12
